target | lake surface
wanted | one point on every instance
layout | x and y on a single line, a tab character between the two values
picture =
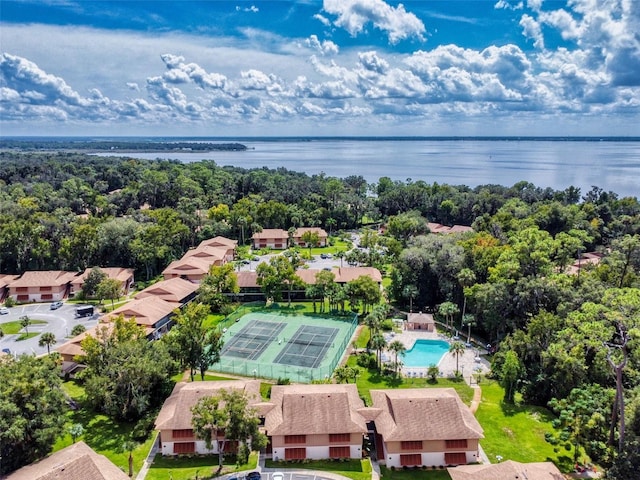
611	165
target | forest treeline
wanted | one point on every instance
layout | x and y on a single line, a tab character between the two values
56	145
568	341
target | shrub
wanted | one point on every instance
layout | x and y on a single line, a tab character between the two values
9	302
366	360
283	381
77	330
387	325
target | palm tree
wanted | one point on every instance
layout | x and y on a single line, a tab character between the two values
470	321
48	339
448	310
331	222
313	292
340	254
129	446
457	349
76	430
25	321
378	343
398	348
466	278
410	292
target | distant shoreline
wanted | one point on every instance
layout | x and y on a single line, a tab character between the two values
191	140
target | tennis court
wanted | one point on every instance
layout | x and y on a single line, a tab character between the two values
307	347
252	340
274	345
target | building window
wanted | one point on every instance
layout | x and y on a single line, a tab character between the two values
185	433
410	459
339	437
22	289
45	289
455	458
184	447
295	453
411	445
456	443
22	298
46	296
339	452
289	439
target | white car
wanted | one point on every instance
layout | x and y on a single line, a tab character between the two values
4	311
277	476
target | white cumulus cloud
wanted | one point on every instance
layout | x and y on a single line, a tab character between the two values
354	15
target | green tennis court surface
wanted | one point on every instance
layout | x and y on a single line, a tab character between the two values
299	347
308	346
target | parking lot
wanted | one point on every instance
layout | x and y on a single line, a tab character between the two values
60	322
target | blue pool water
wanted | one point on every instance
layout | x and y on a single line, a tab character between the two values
425	352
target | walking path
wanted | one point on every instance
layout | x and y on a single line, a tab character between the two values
321	474
155	448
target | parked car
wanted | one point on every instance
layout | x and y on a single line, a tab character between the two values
7	351
56	305
254	476
4	311
277	476
325	255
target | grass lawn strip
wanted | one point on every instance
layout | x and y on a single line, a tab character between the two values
12	328
414	474
352	468
186	468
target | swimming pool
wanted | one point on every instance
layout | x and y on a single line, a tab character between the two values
425	353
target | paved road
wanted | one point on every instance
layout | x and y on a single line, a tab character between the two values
60	322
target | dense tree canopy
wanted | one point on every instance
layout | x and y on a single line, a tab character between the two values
509	279
32	410
126	374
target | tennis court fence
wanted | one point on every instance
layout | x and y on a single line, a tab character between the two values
257	369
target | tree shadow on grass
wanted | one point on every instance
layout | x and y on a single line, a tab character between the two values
511	409
100	432
376	378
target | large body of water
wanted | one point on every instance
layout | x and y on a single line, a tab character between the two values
613	165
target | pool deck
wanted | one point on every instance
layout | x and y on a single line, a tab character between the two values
469	362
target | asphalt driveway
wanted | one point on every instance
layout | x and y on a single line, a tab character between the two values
60	322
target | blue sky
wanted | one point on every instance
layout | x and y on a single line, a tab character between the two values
338	67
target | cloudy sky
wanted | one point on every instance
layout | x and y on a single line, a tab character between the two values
338	67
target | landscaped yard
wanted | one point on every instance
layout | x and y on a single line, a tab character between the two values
516	432
355	469
11	328
185	468
372	379
414	474
101	433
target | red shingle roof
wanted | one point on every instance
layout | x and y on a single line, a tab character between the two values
315	409
424	414
76	462
508	470
176	410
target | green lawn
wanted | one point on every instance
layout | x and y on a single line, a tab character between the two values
355	469
372	379
187	468
414	474
101	433
213	319
25	336
516	432
11	328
